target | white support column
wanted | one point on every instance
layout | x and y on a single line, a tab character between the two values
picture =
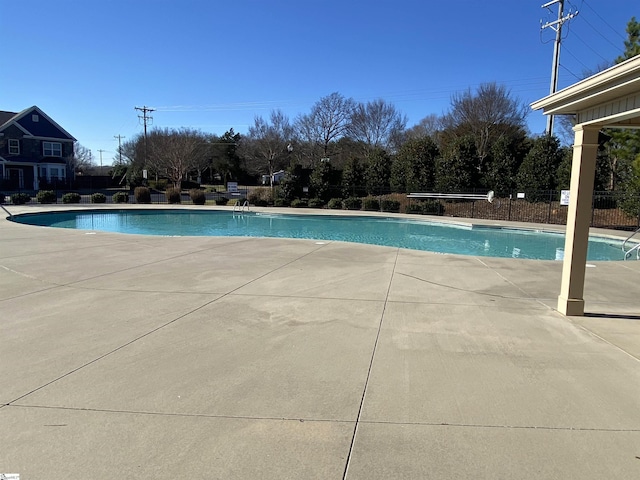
570	301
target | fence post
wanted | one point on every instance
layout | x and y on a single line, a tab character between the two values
550	202
510	202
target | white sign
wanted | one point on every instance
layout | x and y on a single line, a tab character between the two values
144	174
564	197
520	194
232	186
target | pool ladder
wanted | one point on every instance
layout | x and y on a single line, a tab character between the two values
240	208
635	248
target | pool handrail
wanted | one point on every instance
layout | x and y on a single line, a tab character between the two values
8	212
636	247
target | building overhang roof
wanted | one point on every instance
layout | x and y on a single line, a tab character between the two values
610	98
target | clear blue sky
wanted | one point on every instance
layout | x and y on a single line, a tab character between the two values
215	65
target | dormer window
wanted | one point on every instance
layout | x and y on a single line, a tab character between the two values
52	149
14	146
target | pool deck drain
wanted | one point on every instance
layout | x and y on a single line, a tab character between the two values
202	357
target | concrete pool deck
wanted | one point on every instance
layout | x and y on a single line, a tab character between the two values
128	356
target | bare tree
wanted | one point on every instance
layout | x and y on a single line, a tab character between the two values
486	115
267	143
81	160
328	121
174	153
429	126
377	124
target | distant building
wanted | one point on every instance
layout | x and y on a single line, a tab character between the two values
34	150
277	178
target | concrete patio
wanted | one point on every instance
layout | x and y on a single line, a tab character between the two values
127	356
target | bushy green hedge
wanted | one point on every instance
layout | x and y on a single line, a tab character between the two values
173	195
222	201
389	205
433	207
197	196
120	197
316	203
335	204
352	203
414	208
98	198
297	203
371	204
142	195
281	202
71	197
46	196
20	198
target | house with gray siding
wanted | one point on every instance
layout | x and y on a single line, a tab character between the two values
34	151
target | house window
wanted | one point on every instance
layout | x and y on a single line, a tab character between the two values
52	149
14	146
35	118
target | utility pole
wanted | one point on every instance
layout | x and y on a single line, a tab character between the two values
119	137
100	150
145	119
556	26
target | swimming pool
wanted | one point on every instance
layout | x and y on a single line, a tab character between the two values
387	231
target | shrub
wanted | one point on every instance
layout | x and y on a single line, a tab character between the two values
98	198
222	201
433	207
298	203
316	203
414	208
142	195
20	198
160	184
352	203
260	197
46	196
71	197
370	204
335	204
389	205
120	197
173	195
197	196
281	202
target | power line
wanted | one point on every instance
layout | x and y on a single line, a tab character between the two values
584	2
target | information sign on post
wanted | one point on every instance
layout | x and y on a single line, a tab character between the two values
232	187
564	197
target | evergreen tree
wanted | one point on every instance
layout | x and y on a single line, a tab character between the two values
353	181
506	157
378	172
539	167
624	144
413	169
320	180
454	169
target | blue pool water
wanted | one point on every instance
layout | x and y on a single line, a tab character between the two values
393	232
